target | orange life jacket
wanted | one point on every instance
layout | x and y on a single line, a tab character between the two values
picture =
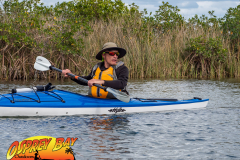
108	74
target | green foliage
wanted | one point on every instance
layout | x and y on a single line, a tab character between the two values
29	23
211	48
231	26
99	9
205	53
56	28
205	22
18	22
167	17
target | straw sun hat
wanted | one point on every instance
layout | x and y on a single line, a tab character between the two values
108	47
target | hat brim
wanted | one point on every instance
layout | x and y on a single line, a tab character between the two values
121	51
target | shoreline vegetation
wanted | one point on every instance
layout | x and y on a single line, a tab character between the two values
160	44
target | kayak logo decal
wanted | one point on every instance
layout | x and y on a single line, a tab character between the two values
116	110
42	148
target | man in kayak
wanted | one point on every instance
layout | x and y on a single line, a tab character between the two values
109	72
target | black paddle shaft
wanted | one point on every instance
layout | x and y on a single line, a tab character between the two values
78	78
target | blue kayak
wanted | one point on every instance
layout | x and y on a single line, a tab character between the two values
60	102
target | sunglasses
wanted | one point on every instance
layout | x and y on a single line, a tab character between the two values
113	53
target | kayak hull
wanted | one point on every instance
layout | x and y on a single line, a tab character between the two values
34	111
60	103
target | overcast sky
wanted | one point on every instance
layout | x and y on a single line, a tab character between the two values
188	7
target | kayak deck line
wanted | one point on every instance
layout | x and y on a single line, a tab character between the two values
29	99
155	99
61	102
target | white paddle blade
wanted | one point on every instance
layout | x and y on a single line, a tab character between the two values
42	64
119	95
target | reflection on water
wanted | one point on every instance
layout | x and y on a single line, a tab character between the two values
107	141
209	133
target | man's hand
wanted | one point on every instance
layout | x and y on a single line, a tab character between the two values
95	81
65	71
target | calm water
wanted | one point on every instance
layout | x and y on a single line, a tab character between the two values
209	133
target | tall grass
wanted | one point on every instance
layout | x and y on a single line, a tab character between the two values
152	51
161	55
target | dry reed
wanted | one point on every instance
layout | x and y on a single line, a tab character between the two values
150	54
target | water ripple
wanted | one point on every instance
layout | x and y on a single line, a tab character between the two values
209	133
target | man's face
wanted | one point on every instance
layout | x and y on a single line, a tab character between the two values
110	59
